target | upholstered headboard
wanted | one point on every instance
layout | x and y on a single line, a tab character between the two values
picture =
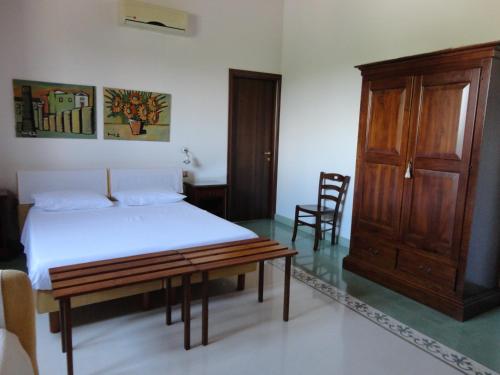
130	179
102	181
31	182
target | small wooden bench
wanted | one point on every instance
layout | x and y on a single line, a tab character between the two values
226	255
75	280
78	279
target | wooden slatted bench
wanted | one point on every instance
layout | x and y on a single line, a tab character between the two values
75	280
227	255
78	279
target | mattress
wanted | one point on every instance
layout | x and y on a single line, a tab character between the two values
53	239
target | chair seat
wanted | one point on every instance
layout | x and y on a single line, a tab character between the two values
313	208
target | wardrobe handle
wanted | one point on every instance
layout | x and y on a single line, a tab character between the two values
409	170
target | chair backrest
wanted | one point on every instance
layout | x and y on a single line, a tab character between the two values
332	187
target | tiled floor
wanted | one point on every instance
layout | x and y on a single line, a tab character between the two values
478	338
245	338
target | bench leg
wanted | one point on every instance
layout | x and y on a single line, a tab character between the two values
261	281
168	298
182	307
146	301
65	308
186	286
241	282
286	299
62	325
54	318
204	323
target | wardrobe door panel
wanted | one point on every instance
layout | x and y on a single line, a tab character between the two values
386	120
433	208
443	113
379	207
438	166
383	140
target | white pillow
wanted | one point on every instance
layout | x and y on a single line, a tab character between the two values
147	197
70	200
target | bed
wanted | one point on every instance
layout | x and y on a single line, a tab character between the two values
61	238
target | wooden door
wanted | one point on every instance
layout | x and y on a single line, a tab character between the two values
382	149
443	116
253	139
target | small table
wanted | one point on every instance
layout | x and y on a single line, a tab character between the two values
208	195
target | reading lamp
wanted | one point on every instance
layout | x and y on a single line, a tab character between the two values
187	159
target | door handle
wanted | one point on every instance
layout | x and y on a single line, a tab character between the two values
267	153
409	170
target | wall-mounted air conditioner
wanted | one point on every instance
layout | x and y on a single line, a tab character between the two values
138	14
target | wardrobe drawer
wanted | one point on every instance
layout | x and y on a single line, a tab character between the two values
374	252
427	269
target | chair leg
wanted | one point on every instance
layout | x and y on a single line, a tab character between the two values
333	234
317	232
296	224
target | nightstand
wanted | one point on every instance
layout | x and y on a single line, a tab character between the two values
210	196
9	233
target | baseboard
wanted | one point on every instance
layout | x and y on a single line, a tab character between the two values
342	241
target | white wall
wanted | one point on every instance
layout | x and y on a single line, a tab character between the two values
75	41
322	41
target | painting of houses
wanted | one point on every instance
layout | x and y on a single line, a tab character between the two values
54	110
136	115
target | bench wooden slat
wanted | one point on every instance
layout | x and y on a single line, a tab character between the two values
236	254
223	250
124	281
146	256
97	263
119	274
244	260
221	245
83	278
115	267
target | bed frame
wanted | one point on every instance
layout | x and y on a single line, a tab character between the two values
45	302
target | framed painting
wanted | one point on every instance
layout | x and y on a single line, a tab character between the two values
136	115
54	110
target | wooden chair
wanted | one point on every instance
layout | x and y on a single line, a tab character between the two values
332	187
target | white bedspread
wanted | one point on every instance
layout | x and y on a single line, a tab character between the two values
53	239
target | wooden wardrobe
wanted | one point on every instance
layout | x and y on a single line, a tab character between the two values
426	217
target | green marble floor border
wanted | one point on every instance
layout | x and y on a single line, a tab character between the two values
425	343
477	338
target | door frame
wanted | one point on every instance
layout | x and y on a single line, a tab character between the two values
276	78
